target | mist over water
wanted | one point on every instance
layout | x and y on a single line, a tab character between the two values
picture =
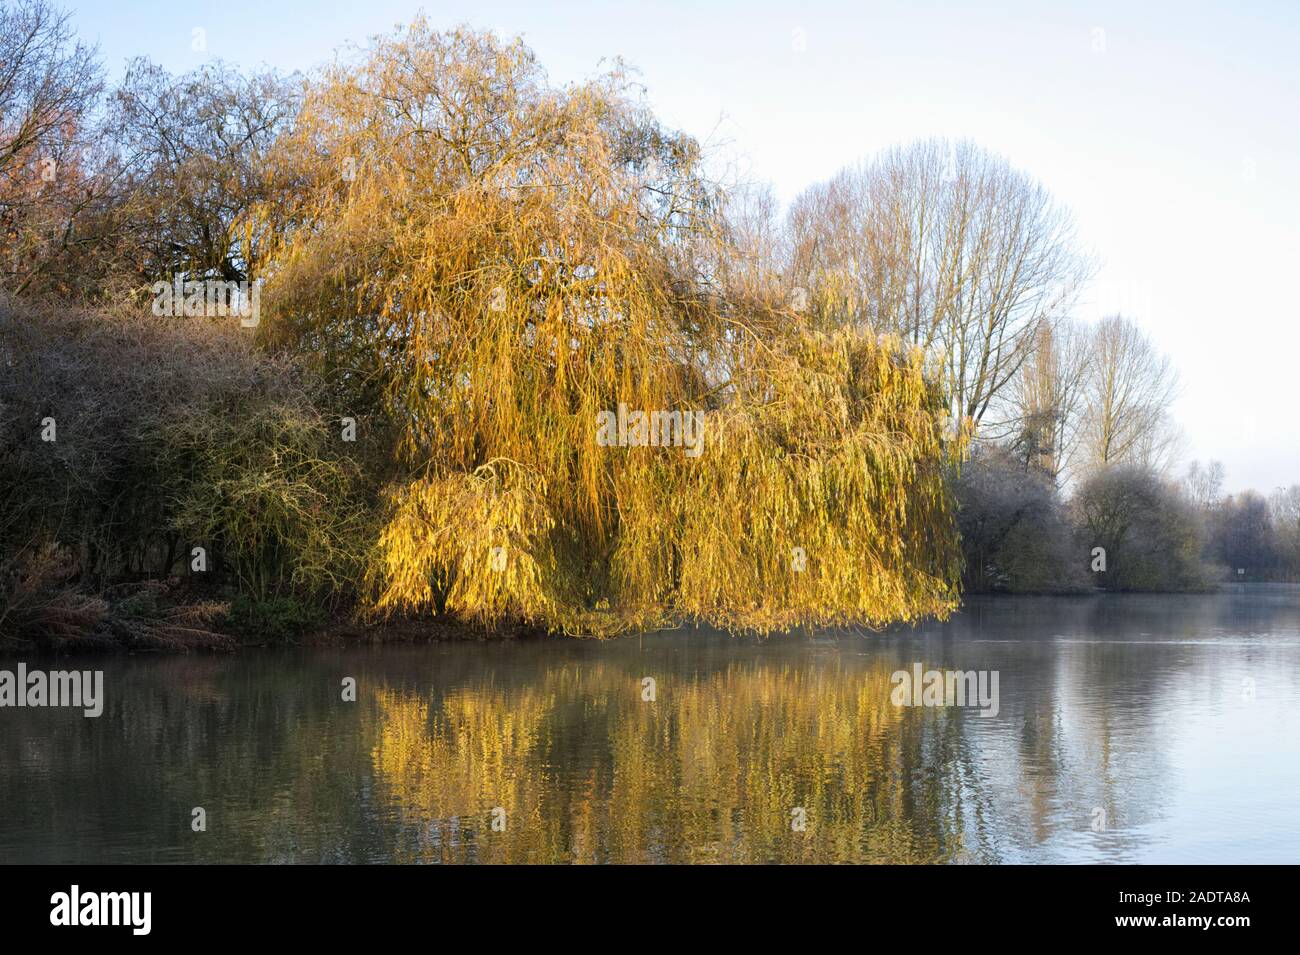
1129	729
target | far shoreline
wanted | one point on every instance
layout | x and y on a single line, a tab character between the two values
342	632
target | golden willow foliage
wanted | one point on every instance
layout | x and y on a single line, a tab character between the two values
484	263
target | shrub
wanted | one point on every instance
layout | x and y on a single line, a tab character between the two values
168	435
274	619
1152	535
264	491
40	607
1244	537
1016	535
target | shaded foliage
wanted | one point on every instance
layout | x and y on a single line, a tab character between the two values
1243	537
1152	536
126	442
1015	531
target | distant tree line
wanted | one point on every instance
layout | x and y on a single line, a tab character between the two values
1022	533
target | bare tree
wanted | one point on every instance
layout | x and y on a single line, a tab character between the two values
49	84
1205	484
1151	534
1130	387
1048	396
1285	508
949	247
195	149
1244	537
47	80
755	257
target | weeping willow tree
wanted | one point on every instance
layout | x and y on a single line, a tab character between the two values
492	270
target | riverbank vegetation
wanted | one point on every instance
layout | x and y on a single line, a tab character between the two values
458	268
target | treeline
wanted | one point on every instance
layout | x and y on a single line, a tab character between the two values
1123	527
1249	536
442	270
462	269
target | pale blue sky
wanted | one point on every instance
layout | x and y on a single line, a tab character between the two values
1171	129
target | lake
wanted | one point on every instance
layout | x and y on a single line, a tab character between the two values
1128	728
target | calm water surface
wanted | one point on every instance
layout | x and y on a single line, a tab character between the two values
1170	724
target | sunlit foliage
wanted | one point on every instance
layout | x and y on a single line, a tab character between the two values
484	263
